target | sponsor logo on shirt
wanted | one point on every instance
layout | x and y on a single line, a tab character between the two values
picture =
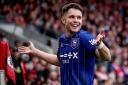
68	56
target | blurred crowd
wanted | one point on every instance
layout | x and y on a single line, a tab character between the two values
44	16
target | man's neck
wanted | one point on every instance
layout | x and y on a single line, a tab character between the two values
69	34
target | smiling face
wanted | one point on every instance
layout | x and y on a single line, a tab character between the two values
72	20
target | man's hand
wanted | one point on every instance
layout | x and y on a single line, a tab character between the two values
27	49
99	38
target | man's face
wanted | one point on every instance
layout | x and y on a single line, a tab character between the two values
72	20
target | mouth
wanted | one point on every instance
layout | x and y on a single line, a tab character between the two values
75	25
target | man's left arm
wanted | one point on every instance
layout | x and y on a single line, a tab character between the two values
102	51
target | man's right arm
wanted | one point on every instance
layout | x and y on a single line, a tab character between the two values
31	49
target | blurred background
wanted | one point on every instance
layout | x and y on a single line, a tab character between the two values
39	21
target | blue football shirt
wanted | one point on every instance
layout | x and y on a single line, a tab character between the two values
77	58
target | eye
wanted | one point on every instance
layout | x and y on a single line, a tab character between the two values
79	17
71	16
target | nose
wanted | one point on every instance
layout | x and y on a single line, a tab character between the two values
75	19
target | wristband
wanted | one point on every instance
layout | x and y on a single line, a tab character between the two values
101	45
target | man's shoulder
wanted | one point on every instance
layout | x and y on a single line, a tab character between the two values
62	37
84	33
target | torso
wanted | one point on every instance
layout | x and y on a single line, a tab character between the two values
77	65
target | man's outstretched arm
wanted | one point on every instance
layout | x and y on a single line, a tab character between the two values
50	58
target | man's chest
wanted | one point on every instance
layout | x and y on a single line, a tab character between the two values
69	51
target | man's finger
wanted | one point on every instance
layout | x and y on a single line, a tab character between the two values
30	43
102	33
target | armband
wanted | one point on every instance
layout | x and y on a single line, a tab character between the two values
101	45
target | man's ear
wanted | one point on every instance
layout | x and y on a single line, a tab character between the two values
63	19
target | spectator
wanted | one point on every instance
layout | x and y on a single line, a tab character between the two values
19	66
53	78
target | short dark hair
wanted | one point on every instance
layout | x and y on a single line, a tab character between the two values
14	49
68	6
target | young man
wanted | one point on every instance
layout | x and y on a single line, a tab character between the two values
77	49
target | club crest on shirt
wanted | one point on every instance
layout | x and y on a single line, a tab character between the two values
75	42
